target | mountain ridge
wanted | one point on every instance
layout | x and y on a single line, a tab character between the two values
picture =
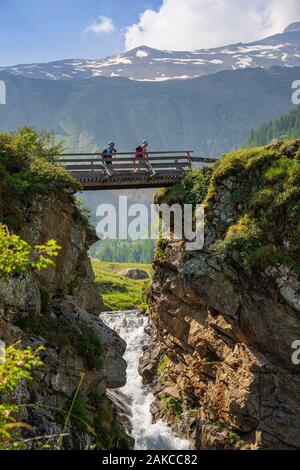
204	113
148	64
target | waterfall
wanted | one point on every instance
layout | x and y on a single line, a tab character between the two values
148	436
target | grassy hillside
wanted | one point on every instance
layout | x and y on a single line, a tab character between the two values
119	292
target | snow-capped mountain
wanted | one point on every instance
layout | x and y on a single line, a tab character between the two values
146	64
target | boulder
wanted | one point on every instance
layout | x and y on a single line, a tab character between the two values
135	273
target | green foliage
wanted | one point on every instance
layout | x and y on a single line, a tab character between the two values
16	367
45	300
161	247
28	166
95	399
265	195
217	424
82	213
119	292
73	285
146	291
118	251
59	333
266	229
173	405
286	127
91	348
244	235
16	255
110	436
76	407
192	189
94	415
234	437
163	364
239	196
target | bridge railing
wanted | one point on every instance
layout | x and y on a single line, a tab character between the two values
124	163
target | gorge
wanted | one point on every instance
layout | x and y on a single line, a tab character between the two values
216	370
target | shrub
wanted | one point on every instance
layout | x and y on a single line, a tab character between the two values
173	405
28	166
76	407
163	364
192	189
16	255
82	213
16	367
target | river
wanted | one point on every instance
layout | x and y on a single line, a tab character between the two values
148	435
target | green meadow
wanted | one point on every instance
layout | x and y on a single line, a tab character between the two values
119	292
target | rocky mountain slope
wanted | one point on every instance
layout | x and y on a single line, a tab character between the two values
209	115
226	317
58	307
144	63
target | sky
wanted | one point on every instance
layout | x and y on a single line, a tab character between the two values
46	30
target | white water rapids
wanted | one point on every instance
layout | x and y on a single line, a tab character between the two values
148	436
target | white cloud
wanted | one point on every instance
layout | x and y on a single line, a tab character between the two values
104	25
197	24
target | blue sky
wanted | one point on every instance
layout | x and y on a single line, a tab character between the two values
45	30
42	30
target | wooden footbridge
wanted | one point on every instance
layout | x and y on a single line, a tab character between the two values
125	171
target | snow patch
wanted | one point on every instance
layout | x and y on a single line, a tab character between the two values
142	54
50	75
244	62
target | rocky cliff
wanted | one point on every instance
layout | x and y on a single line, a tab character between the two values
226	316
59	308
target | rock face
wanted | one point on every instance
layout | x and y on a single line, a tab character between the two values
135	274
59	308
227	334
55	216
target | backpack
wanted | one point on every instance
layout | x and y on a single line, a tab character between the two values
139	152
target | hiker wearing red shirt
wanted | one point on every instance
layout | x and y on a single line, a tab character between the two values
141	157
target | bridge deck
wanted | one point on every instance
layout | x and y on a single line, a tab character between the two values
124	171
